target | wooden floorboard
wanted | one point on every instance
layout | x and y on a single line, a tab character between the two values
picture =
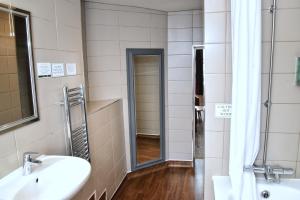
147	149
172	183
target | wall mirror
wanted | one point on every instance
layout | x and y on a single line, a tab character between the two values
18	103
145	75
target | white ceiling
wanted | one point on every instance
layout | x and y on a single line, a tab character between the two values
164	5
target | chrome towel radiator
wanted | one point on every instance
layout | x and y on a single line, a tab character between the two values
77	138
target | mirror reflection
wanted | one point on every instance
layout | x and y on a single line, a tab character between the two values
147	95
16	80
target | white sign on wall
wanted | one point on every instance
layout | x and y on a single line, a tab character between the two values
223	110
43	70
58	69
71	69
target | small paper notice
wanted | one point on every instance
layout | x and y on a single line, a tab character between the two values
44	70
223	110
71	69
58	70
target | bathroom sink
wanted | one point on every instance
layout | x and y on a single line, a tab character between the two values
58	177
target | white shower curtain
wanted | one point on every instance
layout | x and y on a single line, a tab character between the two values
246	96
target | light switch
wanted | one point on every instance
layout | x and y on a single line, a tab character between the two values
44	70
71	69
223	110
58	69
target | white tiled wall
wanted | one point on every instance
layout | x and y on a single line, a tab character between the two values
107	151
56	37
185	29
147	94
110	30
283	148
284	138
217	90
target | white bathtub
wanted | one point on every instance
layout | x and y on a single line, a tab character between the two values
287	189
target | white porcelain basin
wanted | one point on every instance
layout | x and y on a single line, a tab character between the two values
287	189
58	177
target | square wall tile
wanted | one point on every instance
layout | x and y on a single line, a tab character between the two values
103	48
283	146
285	57
134	19
159	21
181	147
159	35
215	27
286	29
180	61
43	33
180	124
105	92
180	21
198	34
102	32
104	63
213	144
215	88
285	118
180	112
215	5
211	122
180	156
180	35
175	48
180	87
108	78
104	17
198	20
136	34
10	163
284	89
68	37
67	13
180	100
180	74
215	58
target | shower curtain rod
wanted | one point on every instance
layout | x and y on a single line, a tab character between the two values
268	102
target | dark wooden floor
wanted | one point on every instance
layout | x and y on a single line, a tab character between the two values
166	184
199	139
147	149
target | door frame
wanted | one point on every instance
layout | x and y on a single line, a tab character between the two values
130	53
194	49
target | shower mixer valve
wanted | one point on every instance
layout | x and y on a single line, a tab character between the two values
271	173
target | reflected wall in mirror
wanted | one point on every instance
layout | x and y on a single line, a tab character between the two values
146	105
17	89
146	75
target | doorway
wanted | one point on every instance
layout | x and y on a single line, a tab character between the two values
198	107
199	101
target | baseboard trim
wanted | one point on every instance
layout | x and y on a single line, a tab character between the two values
147	170
139	135
160	166
180	163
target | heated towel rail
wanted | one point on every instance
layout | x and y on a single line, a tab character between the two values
77	138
